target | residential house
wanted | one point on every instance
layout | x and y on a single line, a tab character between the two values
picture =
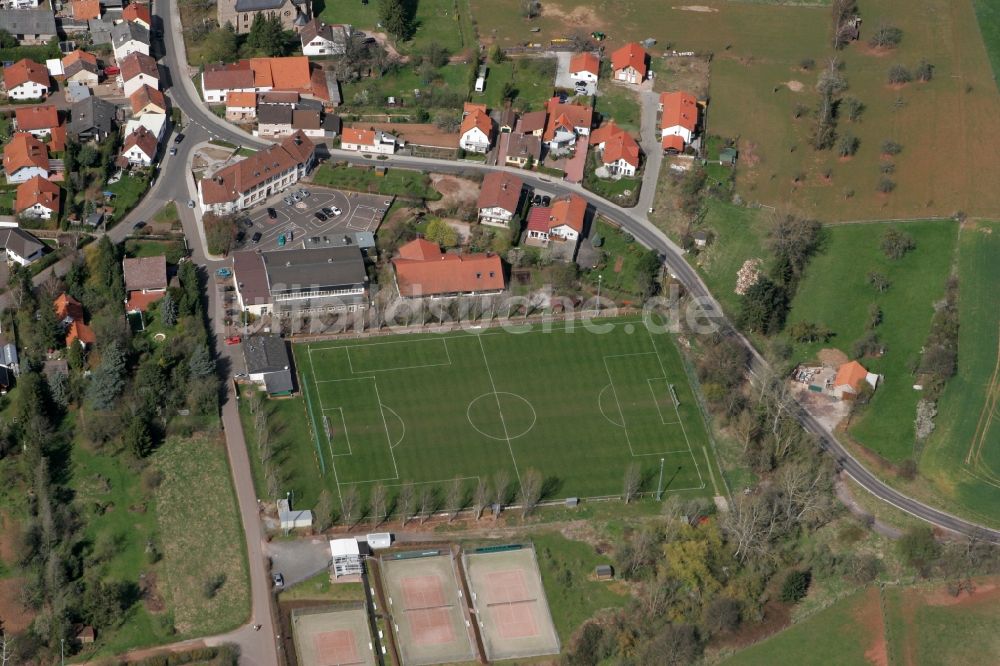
145	282
319	39
565	123
252	180
520	149
140	148
18	4
476	132
309	122
39	120
147	100
423	270
279	97
76	92
332	125
9	359
584	67
21	247
241	106
268	363
274	120
678	120
532	123
29	26
282	282
294	14
82	67
26	79
499	198
619	150
37	197
85	10
69	312
154	123
137	12
850	380
138	70
289	74
127	38
629	63
562	222
507	120
368	141
25	157
92	119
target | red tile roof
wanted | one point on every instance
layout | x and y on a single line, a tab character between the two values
477	119
289	73
24	150
228	183
500	190
621	146
145	96
85	10
37	117
37	190
57	139
140	302
679	109
233	76
423	270
631	55
672	142
566	115
585	62
137	63
470	107
604	132
67	307
569	211
243	100
23	71
852	374
531	122
78	60
361	137
137	12
142	139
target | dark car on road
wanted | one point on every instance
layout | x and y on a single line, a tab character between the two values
256	238
138	225
178	138
320	216
273	214
248	222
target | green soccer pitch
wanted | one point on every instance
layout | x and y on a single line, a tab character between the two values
576	405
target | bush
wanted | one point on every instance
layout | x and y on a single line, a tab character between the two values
924	71
867	345
886	37
917	546
847	145
890	147
795	586
899	74
722	615
895	243
886	185
213	584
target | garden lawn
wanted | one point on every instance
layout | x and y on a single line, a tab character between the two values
201	536
398	182
533	81
430	408
835	636
567	569
835	292
615	278
319	588
374	93
619	103
443	22
971	488
172	250
127	191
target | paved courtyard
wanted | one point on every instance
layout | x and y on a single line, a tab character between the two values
298	221
564	80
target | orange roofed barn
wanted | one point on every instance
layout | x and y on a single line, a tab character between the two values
628	63
423	270
850	379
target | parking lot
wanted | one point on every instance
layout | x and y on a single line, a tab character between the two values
297	221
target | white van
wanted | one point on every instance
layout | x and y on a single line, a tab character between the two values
481	84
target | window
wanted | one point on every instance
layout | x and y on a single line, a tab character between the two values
479	275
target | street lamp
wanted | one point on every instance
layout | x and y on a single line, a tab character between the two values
659	484
600	278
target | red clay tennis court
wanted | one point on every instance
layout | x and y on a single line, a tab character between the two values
510	603
332	636
426	608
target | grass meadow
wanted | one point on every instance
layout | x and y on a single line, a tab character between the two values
966	403
758	48
201	537
836	292
988	13
430	408
533	79
620	104
443	22
396	182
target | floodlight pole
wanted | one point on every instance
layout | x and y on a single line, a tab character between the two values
659	484
600	278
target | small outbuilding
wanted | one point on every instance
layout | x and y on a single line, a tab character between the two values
604	572
293	519
346	557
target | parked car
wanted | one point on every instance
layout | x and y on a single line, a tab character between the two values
255	238
248	222
273	214
303	192
546	201
288	201
239	237
178	138
387	203
173	151
327	210
337	211
224	272
233	340
320	216
536	200
278	580
138	225
190	203
282	240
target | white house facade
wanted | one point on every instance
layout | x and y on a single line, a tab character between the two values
475	141
28	90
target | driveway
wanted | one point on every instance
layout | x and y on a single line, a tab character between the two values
299	559
649	139
564	80
298	222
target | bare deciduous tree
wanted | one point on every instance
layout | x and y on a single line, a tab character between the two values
377	500
481	496
501	486
633	479
427	497
531	491
455	498
350	505
407	500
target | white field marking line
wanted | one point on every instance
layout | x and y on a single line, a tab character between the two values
677	411
625	427
600	408
649	382
503	422
614	390
443	342
343	422
416	483
534	414
401	422
319	397
388	439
